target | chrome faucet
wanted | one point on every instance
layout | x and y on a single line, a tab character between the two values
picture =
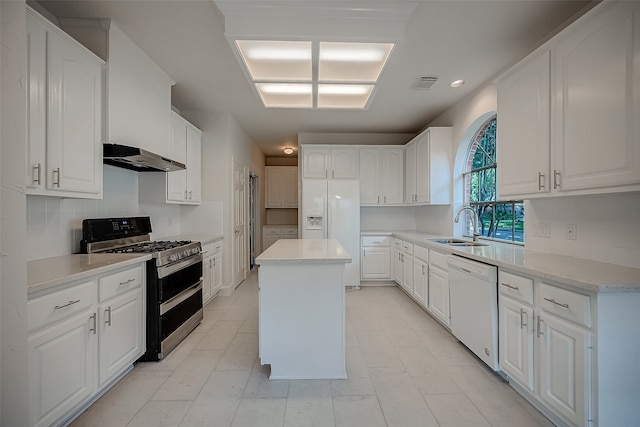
475	219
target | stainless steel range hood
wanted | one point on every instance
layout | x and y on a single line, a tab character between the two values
138	159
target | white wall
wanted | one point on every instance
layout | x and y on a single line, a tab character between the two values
608	227
13	289
54	225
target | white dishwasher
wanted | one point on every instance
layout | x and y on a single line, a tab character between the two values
473	288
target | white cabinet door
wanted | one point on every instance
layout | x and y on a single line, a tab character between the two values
392	176
439	294
595	125
516	341
291	187
315	162
410	173
177	180
407	273
344	163
422	168
398	269
565	366
370	176
420	281
376	263
207	279
36	104
194	165
216	284
62	367
74	118
523	128
120	332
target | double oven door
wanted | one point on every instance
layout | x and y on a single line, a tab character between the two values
174	304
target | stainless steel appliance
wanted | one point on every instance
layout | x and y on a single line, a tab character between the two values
174	277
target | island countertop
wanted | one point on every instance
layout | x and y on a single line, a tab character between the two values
308	251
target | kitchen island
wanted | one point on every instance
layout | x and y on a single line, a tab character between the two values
302	309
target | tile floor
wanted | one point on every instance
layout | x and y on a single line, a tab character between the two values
404	370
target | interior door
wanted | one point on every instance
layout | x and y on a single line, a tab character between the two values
239	240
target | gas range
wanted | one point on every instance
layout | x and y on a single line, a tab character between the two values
173	279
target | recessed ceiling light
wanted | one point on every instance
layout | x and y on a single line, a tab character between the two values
456	83
288	150
344	89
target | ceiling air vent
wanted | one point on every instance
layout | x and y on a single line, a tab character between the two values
424	82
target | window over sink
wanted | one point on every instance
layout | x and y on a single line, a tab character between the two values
499	219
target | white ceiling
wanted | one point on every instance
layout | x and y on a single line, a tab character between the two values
471	40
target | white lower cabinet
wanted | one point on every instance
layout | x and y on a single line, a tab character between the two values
420	275
403	265
211	270
80	339
271	234
62	367
565	368
546	346
439	287
376	258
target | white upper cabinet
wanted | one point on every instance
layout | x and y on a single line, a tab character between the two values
567	113
323	162
523	128
64	149
381	175
428	167
183	186
282	187
596	101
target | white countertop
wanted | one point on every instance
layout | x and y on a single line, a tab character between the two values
49	272
582	274
304	251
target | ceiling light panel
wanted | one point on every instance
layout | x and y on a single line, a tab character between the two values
277	60
352	62
286	95
343	96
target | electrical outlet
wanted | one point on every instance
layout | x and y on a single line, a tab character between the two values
572	231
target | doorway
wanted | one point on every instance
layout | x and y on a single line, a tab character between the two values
254	217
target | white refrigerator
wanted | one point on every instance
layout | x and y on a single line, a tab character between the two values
331	210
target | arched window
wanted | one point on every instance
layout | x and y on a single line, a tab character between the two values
500	220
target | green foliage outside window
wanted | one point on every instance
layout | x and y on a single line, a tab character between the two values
503	220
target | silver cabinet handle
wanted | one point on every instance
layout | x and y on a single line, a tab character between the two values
424	269
93	328
108	318
185	194
126	282
540	322
213	260
552	301
523	315
515	288
556	179
56	174
364	252
190	195
36	173
385	200
541	183
378	199
58	307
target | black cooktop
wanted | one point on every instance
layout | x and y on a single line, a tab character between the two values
149	247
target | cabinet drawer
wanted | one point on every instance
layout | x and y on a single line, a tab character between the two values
397	243
517	287
289	232
120	282
422	253
207	250
566	304
48	309
271	231
216	247
438	259
407	248
375	240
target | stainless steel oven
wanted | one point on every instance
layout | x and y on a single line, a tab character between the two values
174	277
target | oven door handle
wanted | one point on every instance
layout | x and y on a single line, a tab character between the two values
186	294
166	270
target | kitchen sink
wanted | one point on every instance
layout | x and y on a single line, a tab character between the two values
457	242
